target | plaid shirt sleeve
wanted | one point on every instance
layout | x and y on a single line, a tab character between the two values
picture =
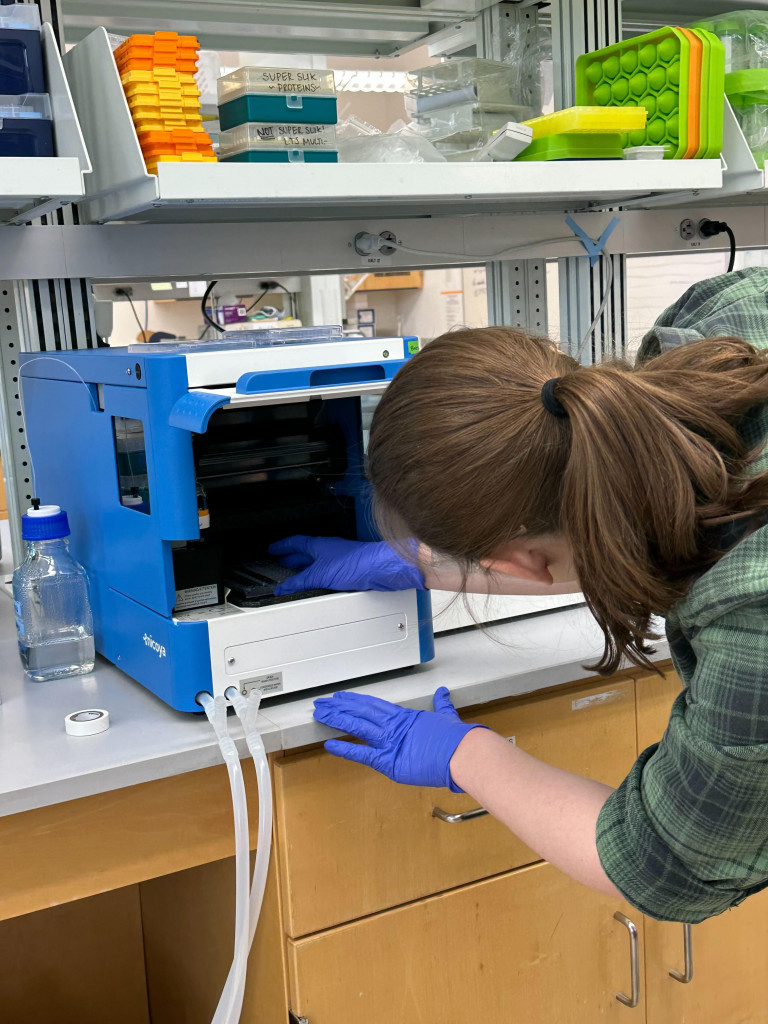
731	305
685	836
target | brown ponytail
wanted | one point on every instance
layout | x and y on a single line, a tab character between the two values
640	478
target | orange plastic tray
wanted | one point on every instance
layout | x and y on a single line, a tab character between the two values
183	65
172	136
158	76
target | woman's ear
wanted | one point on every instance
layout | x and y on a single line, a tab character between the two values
519	559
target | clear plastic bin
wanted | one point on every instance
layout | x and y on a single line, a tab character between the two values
248	339
754	123
32	106
279	143
20	16
272	95
21	53
290	136
745	37
469	80
468	126
26	128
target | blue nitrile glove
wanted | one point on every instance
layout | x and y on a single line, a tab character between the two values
414	747
330	563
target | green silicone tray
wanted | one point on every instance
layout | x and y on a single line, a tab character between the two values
575	146
650	71
744	88
712	95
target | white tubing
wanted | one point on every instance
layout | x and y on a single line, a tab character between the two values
231	999
247	711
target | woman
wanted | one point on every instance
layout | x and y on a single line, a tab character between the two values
647	489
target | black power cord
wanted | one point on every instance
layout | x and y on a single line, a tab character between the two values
257	300
206	296
124	291
276	284
710	228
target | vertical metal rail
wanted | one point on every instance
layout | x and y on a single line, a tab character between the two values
579	26
517	289
36	316
517	294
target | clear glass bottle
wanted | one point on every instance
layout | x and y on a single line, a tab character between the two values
54	622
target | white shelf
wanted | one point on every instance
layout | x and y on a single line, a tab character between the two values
121	189
220	192
33	186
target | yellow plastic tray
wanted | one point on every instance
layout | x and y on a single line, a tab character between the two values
588	119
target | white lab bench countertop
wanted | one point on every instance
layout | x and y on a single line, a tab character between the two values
40	764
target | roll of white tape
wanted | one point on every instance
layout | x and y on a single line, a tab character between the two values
90	722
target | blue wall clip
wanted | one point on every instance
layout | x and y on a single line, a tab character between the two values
594	248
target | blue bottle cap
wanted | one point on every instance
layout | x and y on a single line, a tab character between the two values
47	522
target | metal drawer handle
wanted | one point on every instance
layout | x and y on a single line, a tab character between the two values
634	999
454	819
688	953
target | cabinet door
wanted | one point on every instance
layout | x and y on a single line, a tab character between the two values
529	946
352	843
730	968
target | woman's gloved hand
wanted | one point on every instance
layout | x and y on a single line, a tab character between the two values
330	563
414	747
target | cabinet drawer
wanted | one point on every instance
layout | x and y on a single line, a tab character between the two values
353	843
530	946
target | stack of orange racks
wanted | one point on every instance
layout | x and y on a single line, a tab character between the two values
158	76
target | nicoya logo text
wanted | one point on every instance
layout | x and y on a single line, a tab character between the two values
154	645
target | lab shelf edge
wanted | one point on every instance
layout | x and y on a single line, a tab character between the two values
120	187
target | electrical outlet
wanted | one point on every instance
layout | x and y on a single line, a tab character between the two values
687	230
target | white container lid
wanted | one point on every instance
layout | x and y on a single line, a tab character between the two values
43	511
252	136
645	152
508	142
287	81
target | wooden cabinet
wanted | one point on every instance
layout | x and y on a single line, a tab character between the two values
375	910
353	843
730	968
530	946
78	963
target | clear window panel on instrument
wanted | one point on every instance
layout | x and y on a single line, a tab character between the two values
131	455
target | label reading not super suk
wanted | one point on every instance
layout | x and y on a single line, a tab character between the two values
271	682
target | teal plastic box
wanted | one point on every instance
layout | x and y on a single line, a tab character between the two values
282	156
277	95
285	108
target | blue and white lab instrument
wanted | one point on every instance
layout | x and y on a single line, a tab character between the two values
266	429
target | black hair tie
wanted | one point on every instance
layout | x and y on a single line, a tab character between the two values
549	400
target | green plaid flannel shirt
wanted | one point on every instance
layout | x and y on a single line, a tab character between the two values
685	836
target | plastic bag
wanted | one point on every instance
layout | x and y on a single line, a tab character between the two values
360	143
